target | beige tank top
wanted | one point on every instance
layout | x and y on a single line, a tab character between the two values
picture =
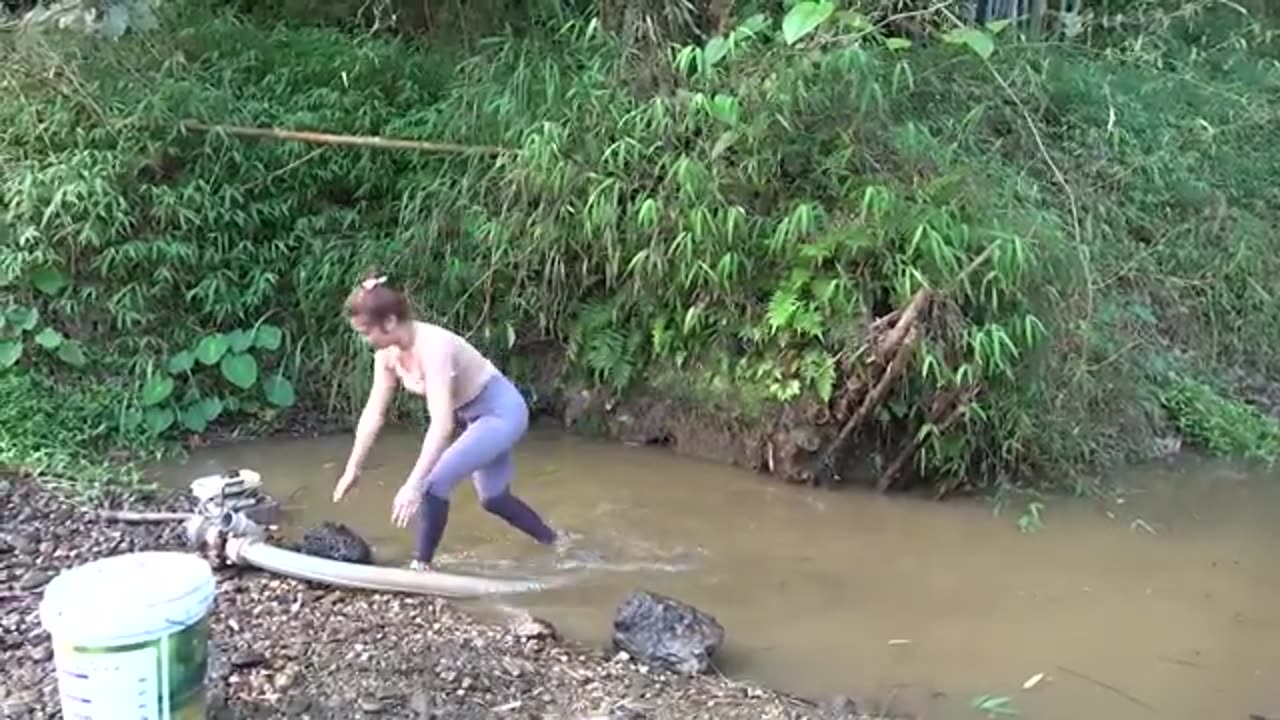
470	368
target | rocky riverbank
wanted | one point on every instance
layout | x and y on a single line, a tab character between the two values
282	648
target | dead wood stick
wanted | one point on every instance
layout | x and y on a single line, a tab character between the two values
901	335
909	452
894	338
320	138
873	399
129	516
1107	686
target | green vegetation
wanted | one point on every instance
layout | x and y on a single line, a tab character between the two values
1085	218
1218	424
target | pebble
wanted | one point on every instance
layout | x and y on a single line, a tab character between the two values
282	648
531	628
22	545
35	580
247	659
285	680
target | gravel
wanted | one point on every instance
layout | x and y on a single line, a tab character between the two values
283	648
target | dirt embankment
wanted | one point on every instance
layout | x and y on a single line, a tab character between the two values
799	442
283	648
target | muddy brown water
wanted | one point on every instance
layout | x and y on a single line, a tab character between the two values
1163	602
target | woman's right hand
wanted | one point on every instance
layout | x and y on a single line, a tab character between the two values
344	484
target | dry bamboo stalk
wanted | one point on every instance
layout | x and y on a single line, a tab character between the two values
320	138
129	516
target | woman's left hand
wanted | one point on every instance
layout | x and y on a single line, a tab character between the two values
406	505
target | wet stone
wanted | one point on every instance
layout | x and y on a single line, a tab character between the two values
663	631
336	541
35	580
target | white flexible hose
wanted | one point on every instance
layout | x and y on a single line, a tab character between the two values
371	577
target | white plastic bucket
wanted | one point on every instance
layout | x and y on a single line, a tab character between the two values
131	636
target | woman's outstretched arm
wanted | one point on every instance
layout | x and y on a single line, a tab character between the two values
436	366
437	372
370	423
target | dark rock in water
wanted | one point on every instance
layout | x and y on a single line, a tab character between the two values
336	541
663	631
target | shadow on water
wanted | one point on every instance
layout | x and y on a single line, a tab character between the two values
1160	603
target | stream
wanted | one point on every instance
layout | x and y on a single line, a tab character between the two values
1155	603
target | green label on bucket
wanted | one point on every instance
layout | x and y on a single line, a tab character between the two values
161	679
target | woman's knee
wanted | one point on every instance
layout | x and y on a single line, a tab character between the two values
443	479
494	503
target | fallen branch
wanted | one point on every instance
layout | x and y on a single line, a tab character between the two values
900	462
319	138
894	338
900	341
129	516
1107	686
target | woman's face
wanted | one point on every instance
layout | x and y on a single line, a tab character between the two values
378	335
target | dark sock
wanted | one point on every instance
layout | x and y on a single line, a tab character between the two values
433	517
521	516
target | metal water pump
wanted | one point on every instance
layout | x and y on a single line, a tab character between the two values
229	506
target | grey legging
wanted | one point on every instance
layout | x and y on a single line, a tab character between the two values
493	422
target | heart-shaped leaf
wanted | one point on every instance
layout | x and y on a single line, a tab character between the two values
805	17
158	419
10	353
268	337
23	318
182	362
49	339
240	369
241	340
48	280
210	408
978	41
193	419
279	391
725	108
72	353
130	420
211	348
715	50
156	390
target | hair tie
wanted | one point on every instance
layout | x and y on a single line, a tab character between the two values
371	283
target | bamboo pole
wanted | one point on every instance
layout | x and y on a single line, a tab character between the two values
320	138
128	516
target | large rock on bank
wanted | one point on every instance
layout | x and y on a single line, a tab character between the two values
664	631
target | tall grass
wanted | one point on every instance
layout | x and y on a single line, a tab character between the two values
736	217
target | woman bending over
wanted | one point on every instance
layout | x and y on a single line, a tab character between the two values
462	389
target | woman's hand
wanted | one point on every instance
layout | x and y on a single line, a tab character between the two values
406	504
344	484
